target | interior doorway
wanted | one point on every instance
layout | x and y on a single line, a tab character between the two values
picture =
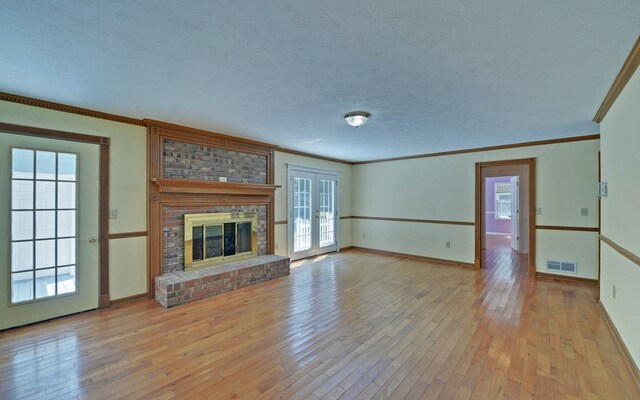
505	210
502	207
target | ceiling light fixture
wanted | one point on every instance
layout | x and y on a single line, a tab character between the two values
357	118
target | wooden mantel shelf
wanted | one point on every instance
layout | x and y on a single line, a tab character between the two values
208	187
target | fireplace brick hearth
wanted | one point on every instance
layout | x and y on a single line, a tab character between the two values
181	287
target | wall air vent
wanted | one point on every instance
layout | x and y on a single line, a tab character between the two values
562	266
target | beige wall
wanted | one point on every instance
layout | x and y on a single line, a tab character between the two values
443	188
440	188
281	160
620	132
128	257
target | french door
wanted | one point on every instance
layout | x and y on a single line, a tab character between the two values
49	255
313	212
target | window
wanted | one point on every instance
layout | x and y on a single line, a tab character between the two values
503	200
43	224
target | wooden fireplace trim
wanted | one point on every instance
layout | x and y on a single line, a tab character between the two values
186	192
205	187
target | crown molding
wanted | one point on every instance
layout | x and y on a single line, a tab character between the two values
624	75
226	139
170	126
488	148
30	101
304	154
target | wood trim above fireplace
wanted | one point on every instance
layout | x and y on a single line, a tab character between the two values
206	187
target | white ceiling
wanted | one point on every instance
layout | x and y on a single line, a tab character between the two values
437	75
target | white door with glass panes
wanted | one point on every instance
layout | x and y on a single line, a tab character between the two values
313	212
49	192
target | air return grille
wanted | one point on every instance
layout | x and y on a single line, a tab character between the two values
562	266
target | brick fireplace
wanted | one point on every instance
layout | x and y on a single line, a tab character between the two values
199	172
173	231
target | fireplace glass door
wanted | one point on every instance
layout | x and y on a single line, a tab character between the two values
221	240
312	213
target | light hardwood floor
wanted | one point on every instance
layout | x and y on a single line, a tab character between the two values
352	325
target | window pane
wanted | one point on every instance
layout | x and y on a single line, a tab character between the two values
21	287
45	283
66	195
22	195
45	165
67	167
21	256
45	253
66	279
21	164
66	251
45	195
504	210
45	224
66	223
21	225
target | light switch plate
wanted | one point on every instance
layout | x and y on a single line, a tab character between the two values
584	212
538	210
113	213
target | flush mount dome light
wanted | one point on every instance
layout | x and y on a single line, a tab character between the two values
357	118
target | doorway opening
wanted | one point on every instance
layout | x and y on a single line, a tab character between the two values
313	211
501	215
505	212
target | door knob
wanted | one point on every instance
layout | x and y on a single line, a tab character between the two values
92	239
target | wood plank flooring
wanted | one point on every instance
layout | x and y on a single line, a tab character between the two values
352	325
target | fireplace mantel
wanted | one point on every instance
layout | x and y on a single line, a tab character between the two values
165	185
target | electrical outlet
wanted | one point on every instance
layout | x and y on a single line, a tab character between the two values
364	235
584	212
538	210
222	179
614	291
113	213
447	245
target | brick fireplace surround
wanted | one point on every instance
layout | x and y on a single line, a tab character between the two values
185	167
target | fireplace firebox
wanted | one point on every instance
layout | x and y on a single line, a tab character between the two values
213	239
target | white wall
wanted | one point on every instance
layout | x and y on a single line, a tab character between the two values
443	188
281	160
620	132
127	190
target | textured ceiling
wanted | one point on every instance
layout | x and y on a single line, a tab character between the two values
437	75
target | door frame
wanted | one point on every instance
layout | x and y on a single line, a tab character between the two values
531	163
515	222
103	193
312	170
